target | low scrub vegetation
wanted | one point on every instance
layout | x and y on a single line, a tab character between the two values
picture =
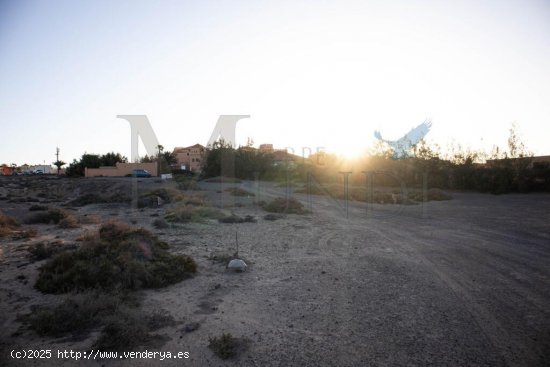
54	216
273	216
186	182
160	223
75	315
45	250
94	198
37	207
50	216
237	191
388	196
191	213
8	225
166	195
282	205
237	219
503	170
116	314
120	257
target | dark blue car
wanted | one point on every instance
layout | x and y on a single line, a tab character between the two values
140	173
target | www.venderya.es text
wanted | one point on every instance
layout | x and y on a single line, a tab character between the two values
94	354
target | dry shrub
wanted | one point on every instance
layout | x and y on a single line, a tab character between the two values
123	325
122	257
168	195
94	198
90	219
282	205
236	219
88	236
190	213
69	222
237	191
7	221
77	314
37	207
125	331
432	195
438	195
273	217
188	185
45	250
7	225
196	200
160	223
54	215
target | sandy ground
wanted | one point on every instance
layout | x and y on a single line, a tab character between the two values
464	282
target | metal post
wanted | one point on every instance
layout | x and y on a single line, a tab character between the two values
346	190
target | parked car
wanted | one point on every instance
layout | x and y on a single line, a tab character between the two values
140	173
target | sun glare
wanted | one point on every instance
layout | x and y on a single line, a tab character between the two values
350	151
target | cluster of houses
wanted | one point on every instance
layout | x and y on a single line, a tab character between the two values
27	169
187	159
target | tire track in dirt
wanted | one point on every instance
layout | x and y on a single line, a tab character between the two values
499	337
505	342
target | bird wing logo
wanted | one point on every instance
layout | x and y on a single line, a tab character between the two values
402	147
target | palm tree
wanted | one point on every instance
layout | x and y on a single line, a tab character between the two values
59	163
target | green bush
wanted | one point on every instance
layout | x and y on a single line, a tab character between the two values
122	257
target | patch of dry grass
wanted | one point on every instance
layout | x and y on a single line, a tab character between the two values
191	213
8	225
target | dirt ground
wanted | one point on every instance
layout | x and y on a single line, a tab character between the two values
464	282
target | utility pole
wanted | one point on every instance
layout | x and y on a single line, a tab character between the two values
57	158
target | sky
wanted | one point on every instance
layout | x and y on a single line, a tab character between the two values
316	74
